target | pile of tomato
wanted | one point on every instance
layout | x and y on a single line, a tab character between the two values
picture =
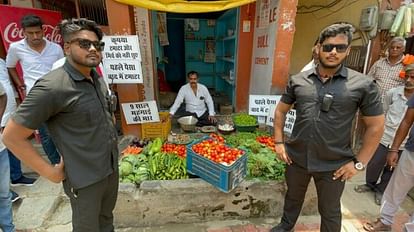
217	137
266	140
177	149
217	151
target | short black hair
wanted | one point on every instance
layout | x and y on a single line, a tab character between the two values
336	29
31	21
68	27
189	74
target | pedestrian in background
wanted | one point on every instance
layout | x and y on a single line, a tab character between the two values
36	56
402	179
75	104
385	71
16	174
326	98
6	213
378	174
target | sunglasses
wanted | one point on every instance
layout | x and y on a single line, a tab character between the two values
340	48
86	44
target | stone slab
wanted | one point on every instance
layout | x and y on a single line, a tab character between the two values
34	211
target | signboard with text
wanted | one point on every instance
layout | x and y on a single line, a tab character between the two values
264	46
259	105
289	121
140	112
122	59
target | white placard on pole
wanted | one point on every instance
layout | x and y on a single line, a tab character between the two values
140	112
122	59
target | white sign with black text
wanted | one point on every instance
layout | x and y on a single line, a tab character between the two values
140	112
289	121
259	105
122	59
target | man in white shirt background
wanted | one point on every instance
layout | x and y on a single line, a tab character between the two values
6	213
198	101
36	56
16	174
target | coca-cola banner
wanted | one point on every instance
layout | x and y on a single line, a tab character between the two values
11	31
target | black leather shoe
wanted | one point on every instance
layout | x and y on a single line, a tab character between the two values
280	228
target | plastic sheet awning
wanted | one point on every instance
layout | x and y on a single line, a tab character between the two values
184	6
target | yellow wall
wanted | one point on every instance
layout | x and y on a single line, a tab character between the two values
309	25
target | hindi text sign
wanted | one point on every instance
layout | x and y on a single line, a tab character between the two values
259	105
122	59
140	112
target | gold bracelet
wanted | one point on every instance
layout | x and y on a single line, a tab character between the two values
393	150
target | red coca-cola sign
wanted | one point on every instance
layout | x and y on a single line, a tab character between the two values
11	31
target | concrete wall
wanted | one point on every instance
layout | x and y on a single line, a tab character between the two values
193	200
309	25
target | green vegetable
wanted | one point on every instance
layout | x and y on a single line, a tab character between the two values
264	165
244	119
125	168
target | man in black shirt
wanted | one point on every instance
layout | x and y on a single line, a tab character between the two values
327	98
75	104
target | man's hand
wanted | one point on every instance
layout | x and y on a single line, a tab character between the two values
281	153
346	172
212	119
57	172
392	159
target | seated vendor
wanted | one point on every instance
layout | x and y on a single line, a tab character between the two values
197	99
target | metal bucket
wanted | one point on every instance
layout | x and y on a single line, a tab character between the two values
188	123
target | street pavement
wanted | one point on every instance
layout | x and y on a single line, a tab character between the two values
47	202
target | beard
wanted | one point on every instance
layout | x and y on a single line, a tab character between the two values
87	61
409	85
328	66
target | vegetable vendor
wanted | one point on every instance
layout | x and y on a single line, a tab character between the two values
197	100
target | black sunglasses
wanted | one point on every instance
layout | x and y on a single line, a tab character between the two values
340	48
86	44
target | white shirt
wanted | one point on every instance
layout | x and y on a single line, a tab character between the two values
395	105
34	64
2	147
194	103
11	98
309	66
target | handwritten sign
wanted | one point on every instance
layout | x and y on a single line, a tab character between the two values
260	104
122	59
289	121
140	112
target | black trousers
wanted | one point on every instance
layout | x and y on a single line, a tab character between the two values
92	206
376	167
329	193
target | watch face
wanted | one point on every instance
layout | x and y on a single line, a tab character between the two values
359	166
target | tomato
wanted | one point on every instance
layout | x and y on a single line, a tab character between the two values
217	151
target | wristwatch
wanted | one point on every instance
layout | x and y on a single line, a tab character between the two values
359	166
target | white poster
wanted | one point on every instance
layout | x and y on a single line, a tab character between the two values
260	104
143	30
121	71
140	112
122	59
263	47
289	121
